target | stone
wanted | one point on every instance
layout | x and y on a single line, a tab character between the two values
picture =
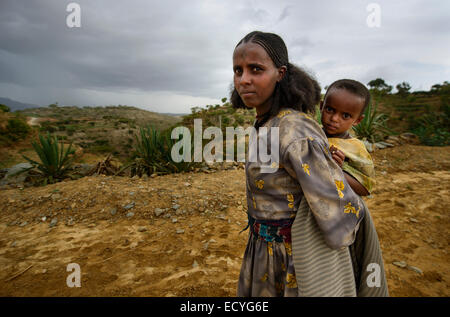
386	144
130	214
179	231
413	220
399	263
142	229
113	211
53	222
195	264
222	217
23	224
174	220
175	207
369	146
158	212
415	269
129	206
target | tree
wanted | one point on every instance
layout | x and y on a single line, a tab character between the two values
4	108
53	105
379	85
403	88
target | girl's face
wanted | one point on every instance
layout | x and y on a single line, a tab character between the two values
341	111
255	76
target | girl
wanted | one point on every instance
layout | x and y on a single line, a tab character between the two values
307	177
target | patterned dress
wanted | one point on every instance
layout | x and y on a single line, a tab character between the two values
305	169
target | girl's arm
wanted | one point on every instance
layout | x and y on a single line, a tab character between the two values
339	157
355	185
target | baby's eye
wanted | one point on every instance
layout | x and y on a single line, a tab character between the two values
346	116
328	109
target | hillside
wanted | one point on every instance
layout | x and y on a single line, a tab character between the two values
16	105
97	131
178	235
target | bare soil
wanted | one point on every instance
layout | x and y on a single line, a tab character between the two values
195	248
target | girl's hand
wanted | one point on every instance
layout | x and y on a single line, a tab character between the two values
337	155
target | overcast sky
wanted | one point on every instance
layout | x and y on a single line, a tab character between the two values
168	56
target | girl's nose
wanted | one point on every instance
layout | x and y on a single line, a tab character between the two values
245	78
335	117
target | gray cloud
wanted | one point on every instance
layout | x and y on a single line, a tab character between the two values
145	52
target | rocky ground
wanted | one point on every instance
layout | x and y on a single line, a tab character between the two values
178	235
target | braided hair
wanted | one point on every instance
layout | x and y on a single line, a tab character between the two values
297	89
352	86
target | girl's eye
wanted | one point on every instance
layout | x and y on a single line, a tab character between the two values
256	68
237	71
329	109
346	116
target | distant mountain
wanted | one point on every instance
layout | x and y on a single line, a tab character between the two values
16	105
174	114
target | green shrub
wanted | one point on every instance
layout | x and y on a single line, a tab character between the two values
4	108
373	126
55	163
17	128
433	128
153	154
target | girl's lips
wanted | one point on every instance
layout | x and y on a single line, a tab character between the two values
247	94
330	127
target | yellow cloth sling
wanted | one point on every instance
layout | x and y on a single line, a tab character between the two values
358	162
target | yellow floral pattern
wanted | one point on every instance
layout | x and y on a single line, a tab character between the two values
282	113
264	278
350	209
259	183
291	281
254	202
306	168
288	248
270	248
340	187
290	199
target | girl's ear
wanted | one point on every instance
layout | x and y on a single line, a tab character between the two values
281	73
358	120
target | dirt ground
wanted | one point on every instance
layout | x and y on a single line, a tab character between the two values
194	248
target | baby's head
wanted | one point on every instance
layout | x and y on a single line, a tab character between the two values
343	106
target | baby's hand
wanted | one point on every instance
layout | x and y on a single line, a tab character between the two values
337	155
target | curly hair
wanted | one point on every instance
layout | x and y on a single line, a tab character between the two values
352	86
297	89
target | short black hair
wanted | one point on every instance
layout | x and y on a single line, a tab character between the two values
352	86
297	89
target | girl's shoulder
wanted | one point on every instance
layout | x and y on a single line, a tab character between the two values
295	124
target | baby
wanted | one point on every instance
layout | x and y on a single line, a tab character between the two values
342	108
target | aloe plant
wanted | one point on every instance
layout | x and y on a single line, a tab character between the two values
153	154
55	162
373	125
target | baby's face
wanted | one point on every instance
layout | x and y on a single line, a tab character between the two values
341	110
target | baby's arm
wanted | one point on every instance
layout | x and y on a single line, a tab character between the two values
339	158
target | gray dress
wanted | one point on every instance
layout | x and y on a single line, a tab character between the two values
305	170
